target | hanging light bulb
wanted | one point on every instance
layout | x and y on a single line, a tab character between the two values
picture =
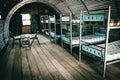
111	24
118	24
0	16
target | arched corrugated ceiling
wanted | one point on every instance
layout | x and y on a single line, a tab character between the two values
61	6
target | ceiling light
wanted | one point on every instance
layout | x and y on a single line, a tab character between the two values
118	23
0	16
111	24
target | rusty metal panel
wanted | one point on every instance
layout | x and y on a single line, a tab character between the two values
73	2
77	8
96	4
54	2
63	8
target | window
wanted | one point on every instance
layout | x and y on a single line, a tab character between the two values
26	19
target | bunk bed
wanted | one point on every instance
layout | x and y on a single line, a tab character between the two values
73	38
93	36
43	29
52	26
49	27
68	23
55	32
108	52
64	22
46	24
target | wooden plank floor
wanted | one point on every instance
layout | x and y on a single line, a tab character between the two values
46	62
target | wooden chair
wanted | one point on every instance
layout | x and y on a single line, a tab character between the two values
26	40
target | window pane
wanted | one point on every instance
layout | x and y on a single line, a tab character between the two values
26	22
25	16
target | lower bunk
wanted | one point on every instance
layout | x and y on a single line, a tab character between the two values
92	39
113	53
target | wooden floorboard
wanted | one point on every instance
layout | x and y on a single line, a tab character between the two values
61	69
74	63
26	72
70	65
41	65
33	65
4	58
65	64
49	61
111	70
7	74
16	71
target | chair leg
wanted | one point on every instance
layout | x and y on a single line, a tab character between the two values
34	39
13	42
38	41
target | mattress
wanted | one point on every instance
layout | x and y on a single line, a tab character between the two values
92	39
24	35
47	33
52	34
44	30
113	50
75	40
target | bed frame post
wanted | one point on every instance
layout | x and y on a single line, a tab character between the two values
61	30
70	32
106	44
40	22
49	27
44	21
80	38
55	28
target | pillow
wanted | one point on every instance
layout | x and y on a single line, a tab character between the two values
99	34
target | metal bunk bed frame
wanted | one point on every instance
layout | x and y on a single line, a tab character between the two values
80	45
52	19
107	39
61	24
46	20
70	22
106	44
81	24
42	20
